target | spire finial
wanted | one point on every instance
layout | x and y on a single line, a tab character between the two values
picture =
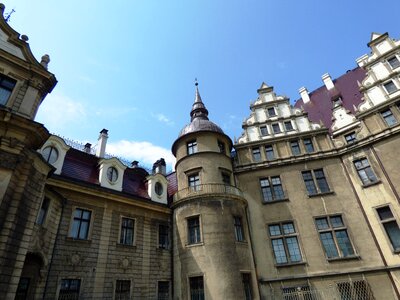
196	83
198	108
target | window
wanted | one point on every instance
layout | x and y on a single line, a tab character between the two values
295	147
271	112
196	288
263	130
43	211
194	182
6	87
365	172
122	290
112	174
191	147
284	243
163	290
350	138
271	189
308	145
334	237
194	230
22	289
237	222
269	152
256	154
394	62
315	181
391	227
50	154
127	231
80	225
221	147
276	128
69	289
158	188
298	293
390	87
337	101
246	280
356	289
163	236
387	115
226	178
288	126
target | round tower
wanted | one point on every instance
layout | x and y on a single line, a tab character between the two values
212	251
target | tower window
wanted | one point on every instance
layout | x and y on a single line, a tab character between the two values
239	234
221	147
194	182
196	288
6	87
194	236
191	147
390	225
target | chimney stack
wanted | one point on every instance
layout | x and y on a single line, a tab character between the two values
326	78
87	148
159	167
102	142
304	95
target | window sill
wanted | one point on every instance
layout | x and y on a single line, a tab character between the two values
301	263
84	241
275	201
163	249
194	245
243	243
321	194
367	185
351	257
126	245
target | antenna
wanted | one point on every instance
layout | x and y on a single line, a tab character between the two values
9	15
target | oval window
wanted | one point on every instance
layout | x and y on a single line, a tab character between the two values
112	174
158	188
50	154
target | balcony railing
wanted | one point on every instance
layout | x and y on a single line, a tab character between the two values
207	189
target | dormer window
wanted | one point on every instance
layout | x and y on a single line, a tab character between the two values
390	87
271	112
191	147
112	174
6	87
394	62
50	154
158	188
336	102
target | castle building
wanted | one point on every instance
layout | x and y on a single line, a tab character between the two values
303	205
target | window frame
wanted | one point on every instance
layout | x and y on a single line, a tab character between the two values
269	109
308	144
239	229
283	237
194	181
263	130
272	189
294	144
256	154
119	297
48	156
198	234
191	147
121	230
285	123
201	291
396	65
90	222
43	213
352	138
221	147
314	179
61	291
332	230
166	245
391	84
247	285
388	117
276	126
6	88
226	178
158	289
371	176
268	153
392	219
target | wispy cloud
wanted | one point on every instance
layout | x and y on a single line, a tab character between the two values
87	79
164	119
144	152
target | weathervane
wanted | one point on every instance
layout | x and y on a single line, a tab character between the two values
9	15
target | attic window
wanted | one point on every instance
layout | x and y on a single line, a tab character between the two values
271	112
337	101
112	174
50	154
6	87
394	62
158	188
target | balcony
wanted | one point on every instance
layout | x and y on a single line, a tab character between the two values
208	190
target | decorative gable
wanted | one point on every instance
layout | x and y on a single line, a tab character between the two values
111	173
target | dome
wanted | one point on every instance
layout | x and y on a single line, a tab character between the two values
199	124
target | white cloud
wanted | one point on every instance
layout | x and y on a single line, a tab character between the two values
144	152
59	110
164	119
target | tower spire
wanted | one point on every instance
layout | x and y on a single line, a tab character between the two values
198	109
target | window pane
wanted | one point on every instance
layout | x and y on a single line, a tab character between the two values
264	130
308	145
385	213
293	248
83	233
271	112
246	279
336	221
279	251
163	290
309	182
295	147
393	231
344	243
389	118
288	126
321	181
394	62
196	288
75	229
329	244
288	228
390	87
269	151
322	223
274	230
256	154
276	128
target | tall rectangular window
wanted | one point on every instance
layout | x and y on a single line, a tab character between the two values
391	227
350	138
80	224
194	182
256	154
364	171
276	128
394	62
163	290
69	289
334	237
263	130
163	236
196	288
239	234
295	147
226	178
271	112
308	145
193	224
315	181
269	152
221	147
271	189
127	231
355	289
284	243
390	87
122	290
288	126
246	280
43	211
191	147
6	87
387	115
22	289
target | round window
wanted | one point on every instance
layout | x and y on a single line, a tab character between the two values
158	188
112	174
50	154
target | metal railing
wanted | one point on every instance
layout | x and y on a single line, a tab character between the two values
204	189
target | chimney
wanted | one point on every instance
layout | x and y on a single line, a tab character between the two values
102	142
87	148
159	167
134	164
304	95
326	78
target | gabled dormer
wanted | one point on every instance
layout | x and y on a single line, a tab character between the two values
111	173
24	82
54	151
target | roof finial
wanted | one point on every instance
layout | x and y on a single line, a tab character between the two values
196	83
198	108
9	15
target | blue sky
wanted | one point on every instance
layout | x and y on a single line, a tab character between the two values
129	66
